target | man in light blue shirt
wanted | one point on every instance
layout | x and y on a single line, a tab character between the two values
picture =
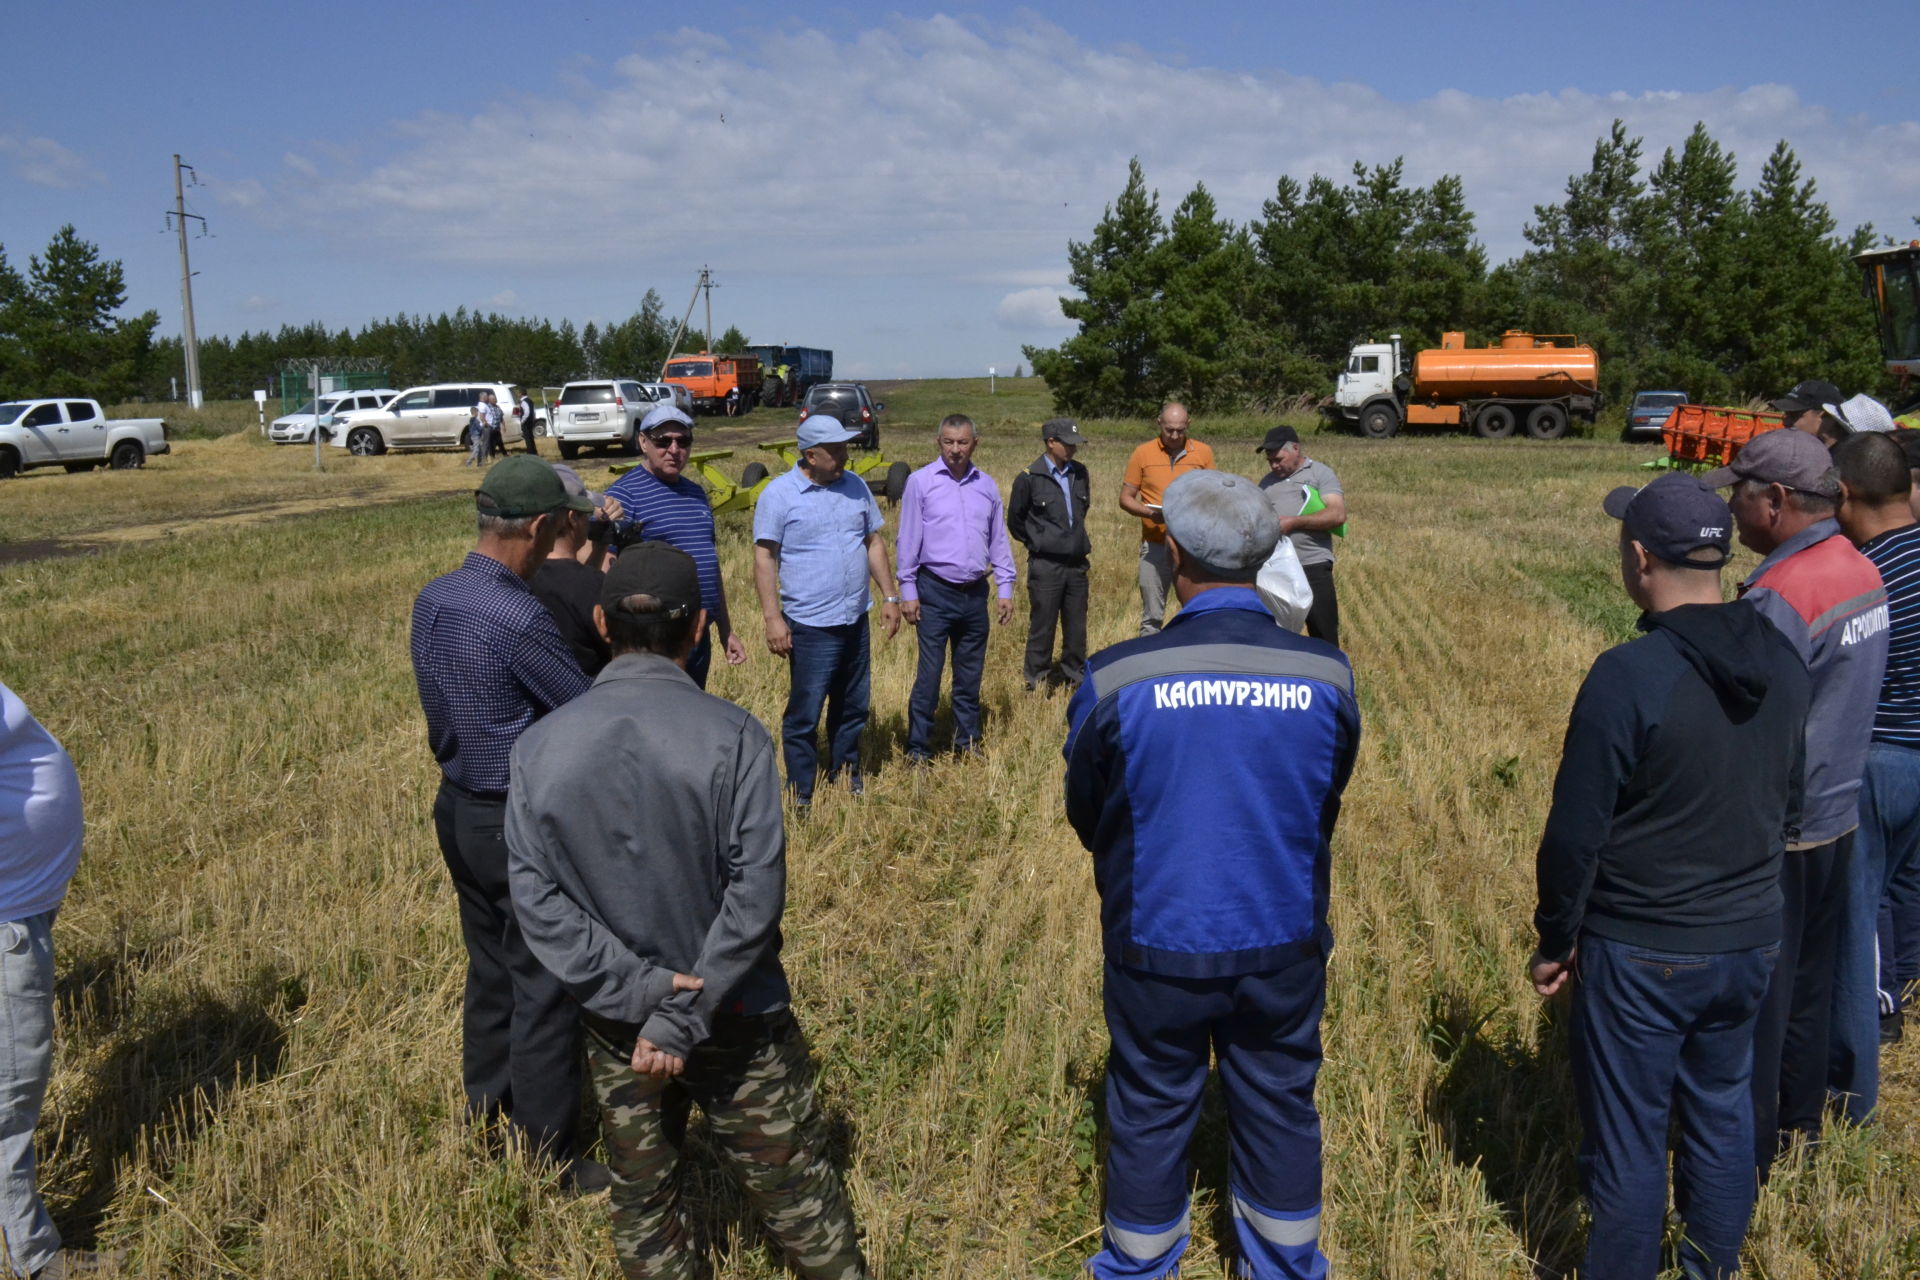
816	542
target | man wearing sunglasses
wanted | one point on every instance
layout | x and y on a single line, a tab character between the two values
662	503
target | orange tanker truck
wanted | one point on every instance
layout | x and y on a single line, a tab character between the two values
1535	381
708	378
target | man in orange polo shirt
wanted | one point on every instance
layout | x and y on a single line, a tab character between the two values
1150	469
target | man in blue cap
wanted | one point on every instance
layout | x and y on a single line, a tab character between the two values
1205	764
1660	869
816	543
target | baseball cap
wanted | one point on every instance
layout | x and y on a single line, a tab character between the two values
662	414
1222	521
1277	438
1674	518
1811	394
523	485
823	429
1062	429
576	487
1791	458
1862	413
656	569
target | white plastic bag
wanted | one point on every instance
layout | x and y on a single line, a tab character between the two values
1283	587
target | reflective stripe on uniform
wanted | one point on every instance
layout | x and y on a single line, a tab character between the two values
1288	1230
1222	659
1137	1242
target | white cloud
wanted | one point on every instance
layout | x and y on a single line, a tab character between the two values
503	300
300	164
46	163
1026	309
257	302
932	150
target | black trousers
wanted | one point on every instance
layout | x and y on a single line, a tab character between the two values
1323	618
520	1030
1790	1039
1056	596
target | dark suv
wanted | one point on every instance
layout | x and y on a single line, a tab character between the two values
849	402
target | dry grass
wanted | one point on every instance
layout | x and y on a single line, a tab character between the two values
258	1057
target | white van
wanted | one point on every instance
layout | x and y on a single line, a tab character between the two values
297	427
432	417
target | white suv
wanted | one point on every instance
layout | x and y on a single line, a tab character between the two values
297	427
430	417
670	393
602	412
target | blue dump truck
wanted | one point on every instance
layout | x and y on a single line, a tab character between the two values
804	366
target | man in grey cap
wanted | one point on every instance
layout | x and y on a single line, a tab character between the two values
1827	599
1805	405
816	543
1205	765
1047	515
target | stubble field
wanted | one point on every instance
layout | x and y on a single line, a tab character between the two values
257	1062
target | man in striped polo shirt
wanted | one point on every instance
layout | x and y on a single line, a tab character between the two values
1827	599
664	504
1874	512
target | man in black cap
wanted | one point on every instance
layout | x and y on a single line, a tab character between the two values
1306	495
648	865
1047	515
1828	600
1659	867
488	662
1804	406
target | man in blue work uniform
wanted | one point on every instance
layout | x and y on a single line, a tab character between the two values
1205	764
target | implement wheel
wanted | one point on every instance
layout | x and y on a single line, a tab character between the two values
753	475
897	482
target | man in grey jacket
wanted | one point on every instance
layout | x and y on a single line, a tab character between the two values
647	861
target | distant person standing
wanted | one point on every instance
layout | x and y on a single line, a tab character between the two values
1828	600
490	411
1047	515
1804	407
524	411
1659	894
660	502
488	662
667	930
1205	766
816	542
1293	483
1150	469
479	439
1875	514
40	837
953	535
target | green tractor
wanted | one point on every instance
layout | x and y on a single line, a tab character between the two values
887	480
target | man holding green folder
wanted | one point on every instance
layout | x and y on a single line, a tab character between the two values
1306	495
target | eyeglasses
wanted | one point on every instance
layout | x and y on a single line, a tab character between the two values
672	442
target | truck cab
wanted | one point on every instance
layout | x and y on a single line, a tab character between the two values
1365	392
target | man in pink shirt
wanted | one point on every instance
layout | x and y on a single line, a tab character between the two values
953	532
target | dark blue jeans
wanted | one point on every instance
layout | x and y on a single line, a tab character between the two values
1655	1034
829	669
701	658
956	616
1265	1030
1886	853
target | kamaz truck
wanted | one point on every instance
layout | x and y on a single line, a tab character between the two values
1891	280
1539	382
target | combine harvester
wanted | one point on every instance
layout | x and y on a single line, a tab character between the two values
1891	280
886	480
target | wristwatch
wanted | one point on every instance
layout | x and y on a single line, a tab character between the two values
890	599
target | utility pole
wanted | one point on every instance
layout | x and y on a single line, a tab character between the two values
189	342
705	282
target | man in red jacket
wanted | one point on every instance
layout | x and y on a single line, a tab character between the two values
1828	600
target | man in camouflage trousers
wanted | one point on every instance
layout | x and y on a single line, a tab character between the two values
647	862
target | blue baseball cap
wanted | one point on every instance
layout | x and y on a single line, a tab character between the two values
822	429
1676	518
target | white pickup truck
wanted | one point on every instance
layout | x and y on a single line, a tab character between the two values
74	434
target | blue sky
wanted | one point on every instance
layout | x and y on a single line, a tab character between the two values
896	185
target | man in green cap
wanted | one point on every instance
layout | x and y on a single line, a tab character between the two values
489	661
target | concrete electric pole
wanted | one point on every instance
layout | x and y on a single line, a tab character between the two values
189	343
